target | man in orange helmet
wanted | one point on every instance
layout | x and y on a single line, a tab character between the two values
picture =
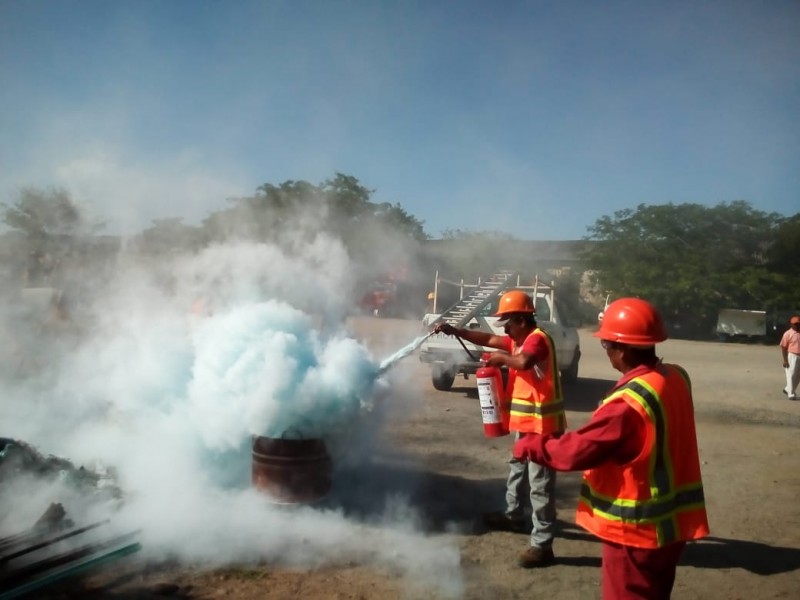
642	492
536	406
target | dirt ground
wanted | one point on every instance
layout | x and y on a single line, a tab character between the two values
750	451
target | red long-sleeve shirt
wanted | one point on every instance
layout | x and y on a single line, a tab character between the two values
615	432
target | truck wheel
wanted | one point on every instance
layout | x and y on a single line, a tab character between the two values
570	374
442	377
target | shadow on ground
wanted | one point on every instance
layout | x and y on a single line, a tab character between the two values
441	502
447	503
755	557
570	531
373	492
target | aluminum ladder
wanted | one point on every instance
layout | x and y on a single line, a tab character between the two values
468	306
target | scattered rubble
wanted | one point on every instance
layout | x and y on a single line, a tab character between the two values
55	546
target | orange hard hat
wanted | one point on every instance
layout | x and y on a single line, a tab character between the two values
632	321
515	301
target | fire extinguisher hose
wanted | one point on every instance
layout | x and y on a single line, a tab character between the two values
463	345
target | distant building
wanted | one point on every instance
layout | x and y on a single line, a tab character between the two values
523	255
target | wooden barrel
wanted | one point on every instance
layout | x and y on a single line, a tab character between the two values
291	471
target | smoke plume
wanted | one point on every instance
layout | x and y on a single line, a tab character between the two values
180	364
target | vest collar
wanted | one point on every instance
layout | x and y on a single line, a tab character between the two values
636	372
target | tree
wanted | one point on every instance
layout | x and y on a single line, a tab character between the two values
689	259
354	213
165	236
381	238
783	255
783	261
56	228
375	234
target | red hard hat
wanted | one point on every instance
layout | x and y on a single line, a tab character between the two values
632	321
515	301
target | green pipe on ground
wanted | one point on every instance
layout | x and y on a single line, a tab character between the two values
70	570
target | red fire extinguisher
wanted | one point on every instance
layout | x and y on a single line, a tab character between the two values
492	398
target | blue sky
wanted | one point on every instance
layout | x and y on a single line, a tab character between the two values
533	118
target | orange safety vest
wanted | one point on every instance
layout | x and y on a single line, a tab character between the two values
657	498
537	404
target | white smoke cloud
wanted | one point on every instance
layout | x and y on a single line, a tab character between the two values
183	364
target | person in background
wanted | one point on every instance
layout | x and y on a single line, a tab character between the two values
536	407
430	307
642	491
790	350
201	307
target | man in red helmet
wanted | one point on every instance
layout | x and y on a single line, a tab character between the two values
536	407
642	492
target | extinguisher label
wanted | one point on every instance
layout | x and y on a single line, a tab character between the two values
487	393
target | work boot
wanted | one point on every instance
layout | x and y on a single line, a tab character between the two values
536	557
500	521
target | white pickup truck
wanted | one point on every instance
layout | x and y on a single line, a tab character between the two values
476	304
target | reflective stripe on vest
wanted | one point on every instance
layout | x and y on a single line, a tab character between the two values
666	501
529	408
541	414
651	512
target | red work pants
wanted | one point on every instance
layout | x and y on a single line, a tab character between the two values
630	573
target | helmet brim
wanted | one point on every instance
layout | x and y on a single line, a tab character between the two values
629	340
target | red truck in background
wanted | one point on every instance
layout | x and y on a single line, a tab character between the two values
379	298
390	294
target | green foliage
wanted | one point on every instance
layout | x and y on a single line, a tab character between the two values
376	234
783	262
379	236
165	236
55	227
43	214
783	255
692	260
